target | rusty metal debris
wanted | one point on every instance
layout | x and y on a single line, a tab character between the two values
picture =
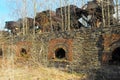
93	14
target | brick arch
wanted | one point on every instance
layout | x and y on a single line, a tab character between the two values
23	45
14	49
107	56
114	47
111	42
65	44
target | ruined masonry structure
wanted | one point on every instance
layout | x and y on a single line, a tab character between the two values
86	48
73	47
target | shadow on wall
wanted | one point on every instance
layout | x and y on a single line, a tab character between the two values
100	47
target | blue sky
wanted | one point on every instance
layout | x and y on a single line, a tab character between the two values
11	9
3	13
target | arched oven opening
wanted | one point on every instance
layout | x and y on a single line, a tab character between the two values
23	52
60	53
115	57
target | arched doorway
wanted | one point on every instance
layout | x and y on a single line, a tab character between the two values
23	52
115	57
60	53
60	49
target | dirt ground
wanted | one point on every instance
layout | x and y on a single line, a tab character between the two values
9	70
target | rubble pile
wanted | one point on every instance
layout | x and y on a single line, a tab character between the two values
47	21
68	17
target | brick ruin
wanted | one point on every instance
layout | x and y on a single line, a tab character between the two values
74	44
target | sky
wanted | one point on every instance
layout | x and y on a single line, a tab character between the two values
3	12
13	9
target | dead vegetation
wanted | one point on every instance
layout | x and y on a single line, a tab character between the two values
22	71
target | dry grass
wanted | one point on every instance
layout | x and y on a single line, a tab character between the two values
18	71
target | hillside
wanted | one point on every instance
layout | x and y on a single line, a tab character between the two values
22	71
